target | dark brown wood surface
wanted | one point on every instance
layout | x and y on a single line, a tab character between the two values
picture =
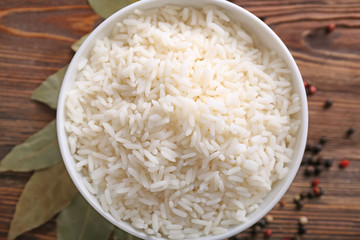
35	39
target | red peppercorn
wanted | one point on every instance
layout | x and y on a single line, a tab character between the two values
344	163
267	232
306	84
331	27
316	191
312	89
315	182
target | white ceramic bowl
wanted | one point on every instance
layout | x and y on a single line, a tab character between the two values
250	23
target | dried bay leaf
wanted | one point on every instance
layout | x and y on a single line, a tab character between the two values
39	151
45	194
105	8
48	91
122	235
80	221
78	43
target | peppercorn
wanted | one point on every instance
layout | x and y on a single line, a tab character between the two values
255	229
317	148
297	198
331	27
309	171
302	196
311	161
305	160
309	147
262	223
316	191
299	205
317	171
310	195
344	163
282	202
328	163
350	131
269	219
301	230
306	84
303	220
323	140
312	89
267	232
328	103
318	161
315	182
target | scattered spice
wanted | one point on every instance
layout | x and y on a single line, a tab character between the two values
269	219
262	223
297	197
267	232
310	195
328	103
311	161
350	131
309	171
303	220
303	195
301	229
318	161
282	202
312	89
344	163
323	140
331	27
306	84
328	162
316	191
317	171
256	229
299	205
315	182
309	147
317	148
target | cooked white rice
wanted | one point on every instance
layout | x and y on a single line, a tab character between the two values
180	122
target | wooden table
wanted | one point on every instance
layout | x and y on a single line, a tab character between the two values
35	39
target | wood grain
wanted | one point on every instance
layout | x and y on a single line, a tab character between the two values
35	39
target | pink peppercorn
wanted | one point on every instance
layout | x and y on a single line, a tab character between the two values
312	89
267	232
331	27
344	163
315	182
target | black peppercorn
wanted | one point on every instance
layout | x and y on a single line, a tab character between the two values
350	131
310	195
328	163
317	148
328	103
301	229
255	229
299	205
309	171
262	222
317	171
323	140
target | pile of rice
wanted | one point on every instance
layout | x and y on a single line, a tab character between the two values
180	122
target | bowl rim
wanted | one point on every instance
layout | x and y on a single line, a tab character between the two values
301	134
